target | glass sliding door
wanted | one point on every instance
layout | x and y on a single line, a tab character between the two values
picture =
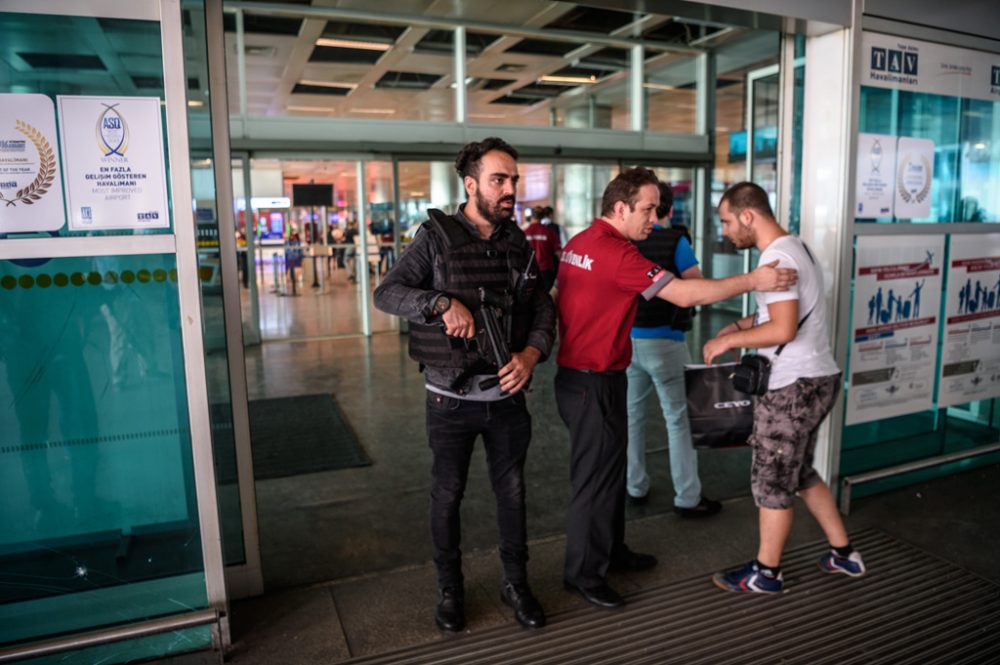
745	146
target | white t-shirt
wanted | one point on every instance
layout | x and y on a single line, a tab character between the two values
808	355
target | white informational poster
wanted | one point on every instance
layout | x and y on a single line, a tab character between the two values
914	176
897	298
113	159
31	197
970	362
876	175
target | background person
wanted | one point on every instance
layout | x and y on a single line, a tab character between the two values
546	215
658	358
600	275
434	285
545	241
803	386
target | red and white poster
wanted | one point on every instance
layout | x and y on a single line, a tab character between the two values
894	329
970	363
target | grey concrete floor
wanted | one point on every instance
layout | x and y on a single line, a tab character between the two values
349	522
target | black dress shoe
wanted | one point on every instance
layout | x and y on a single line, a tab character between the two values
527	610
625	560
705	508
450	613
636	500
600	596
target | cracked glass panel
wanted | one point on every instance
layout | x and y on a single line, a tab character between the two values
97	501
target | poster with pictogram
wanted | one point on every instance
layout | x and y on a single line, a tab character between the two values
970	361
894	326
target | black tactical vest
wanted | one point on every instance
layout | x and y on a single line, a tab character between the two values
660	247
463	263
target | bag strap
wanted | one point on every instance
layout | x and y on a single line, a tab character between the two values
799	327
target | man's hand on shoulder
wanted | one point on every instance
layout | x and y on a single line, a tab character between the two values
770	277
516	373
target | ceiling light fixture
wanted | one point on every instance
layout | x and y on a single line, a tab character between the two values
352	43
195	103
329	84
308	109
659	86
551	78
375	111
490	116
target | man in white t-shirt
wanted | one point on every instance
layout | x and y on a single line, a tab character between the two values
790	329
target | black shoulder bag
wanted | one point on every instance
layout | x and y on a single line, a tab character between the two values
752	373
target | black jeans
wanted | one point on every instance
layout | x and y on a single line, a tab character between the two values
452	428
593	406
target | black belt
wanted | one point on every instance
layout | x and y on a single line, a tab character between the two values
608	372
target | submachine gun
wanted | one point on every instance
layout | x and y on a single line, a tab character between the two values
494	317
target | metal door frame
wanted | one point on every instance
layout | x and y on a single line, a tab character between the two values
181	243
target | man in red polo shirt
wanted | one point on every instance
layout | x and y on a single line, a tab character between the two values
544	240
600	275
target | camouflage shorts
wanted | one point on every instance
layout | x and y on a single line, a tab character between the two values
785	422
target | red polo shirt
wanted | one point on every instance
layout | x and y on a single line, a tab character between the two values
600	275
545	241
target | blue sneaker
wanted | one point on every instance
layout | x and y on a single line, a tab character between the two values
748	579
851	564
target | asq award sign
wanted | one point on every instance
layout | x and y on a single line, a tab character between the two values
875	192
31	197
112	150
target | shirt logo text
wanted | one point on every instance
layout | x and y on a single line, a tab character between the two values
578	261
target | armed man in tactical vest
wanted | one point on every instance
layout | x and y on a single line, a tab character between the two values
658	358
478	326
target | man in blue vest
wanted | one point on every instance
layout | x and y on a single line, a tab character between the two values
436	284
658	358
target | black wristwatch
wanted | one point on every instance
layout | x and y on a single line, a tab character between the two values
442	305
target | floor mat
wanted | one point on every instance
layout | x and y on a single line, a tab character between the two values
912	607
291	436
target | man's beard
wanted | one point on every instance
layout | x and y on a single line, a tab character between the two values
495	214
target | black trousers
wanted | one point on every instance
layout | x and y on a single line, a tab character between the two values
452	428
593	406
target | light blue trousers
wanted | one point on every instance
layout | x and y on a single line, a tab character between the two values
659	363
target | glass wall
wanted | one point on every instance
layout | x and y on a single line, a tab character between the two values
308	252
965	187
670	85
738	62
795	135
352	69
393	70
97	493
580	188
966	136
